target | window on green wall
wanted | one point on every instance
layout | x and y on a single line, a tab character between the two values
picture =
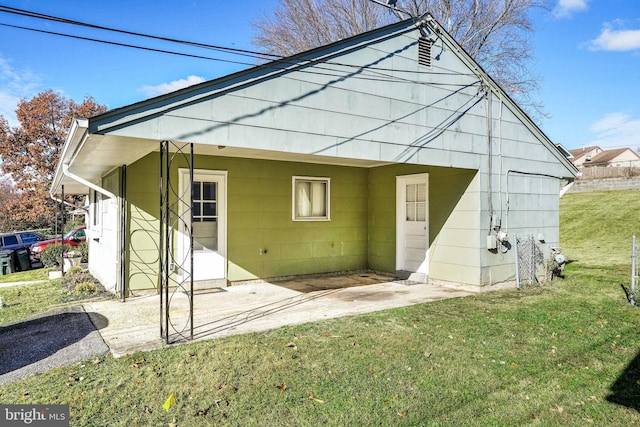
310	198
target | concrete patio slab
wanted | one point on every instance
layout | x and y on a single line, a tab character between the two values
135	324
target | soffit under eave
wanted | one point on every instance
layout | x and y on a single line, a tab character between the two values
101	154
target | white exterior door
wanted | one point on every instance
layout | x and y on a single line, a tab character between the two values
412	226
209	225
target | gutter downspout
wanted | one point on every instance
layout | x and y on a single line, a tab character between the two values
567	187
77	124
65	171
113	197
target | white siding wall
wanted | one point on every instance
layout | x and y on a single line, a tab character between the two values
103	239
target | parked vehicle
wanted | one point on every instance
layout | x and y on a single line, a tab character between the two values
19	240
73	238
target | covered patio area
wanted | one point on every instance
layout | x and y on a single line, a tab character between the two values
258	306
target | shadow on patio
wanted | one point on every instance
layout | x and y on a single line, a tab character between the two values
254	307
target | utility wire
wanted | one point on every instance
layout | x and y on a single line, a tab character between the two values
272	65
121	44
279	63
368	74
391	5
37	15
243	52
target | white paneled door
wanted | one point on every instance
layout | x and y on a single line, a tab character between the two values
209	224
412	226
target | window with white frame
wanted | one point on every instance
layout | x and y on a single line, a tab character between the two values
311	198
96	211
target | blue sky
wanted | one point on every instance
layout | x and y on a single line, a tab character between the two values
586	51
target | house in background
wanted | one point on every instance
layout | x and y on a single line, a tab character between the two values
584	155
390	151
596	156
618	157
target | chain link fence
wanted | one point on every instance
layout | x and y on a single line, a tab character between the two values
532	266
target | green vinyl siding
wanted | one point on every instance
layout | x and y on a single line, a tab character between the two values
453	212
143	211
262	239
264	242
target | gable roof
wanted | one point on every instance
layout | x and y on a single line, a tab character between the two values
95	146
607	156
320	55
579	152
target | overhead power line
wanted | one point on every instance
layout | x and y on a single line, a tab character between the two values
37	15
391	5
120	44
281	63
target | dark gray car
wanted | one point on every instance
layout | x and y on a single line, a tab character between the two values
19	240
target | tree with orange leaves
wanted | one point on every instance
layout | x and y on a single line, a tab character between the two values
30	153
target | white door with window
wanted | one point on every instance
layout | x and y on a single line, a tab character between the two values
209	225
412	226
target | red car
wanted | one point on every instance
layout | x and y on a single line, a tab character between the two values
72	238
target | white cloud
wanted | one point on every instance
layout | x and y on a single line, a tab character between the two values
8	105
619	40
15	85
171	86
616	130
566	8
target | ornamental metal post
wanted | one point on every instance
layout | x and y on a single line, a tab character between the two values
176	222
62	221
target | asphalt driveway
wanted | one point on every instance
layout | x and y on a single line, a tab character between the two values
58	338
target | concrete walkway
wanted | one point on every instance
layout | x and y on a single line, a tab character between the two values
135	324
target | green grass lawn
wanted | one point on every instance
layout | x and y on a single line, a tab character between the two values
25	276
596	227
562	354
27	300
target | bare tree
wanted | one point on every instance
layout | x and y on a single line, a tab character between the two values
493	32
298	25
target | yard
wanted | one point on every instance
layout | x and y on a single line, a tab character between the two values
566	353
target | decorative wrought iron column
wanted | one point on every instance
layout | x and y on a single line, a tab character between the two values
176	227
123	233
62	222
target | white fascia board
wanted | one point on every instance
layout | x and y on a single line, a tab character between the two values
75	138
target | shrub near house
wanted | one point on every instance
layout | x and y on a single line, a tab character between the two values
73	238
52	255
